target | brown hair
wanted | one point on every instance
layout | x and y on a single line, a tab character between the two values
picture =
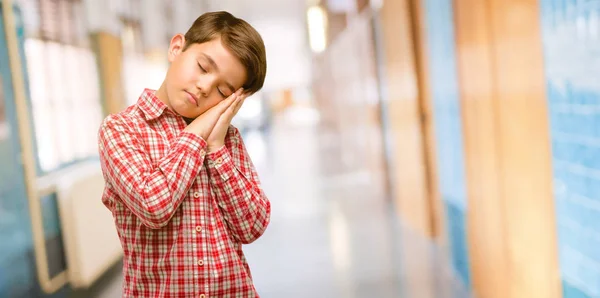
237	36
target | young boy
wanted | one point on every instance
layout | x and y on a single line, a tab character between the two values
181	187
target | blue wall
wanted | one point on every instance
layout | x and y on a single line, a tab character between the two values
448	127
571	41
17	263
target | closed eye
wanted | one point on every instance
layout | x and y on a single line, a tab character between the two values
222	94
201	68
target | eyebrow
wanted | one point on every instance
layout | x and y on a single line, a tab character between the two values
212	62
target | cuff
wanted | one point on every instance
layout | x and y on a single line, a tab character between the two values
192	142
220	162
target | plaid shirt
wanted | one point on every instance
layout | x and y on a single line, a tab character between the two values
181	214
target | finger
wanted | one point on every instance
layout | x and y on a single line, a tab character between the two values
231	99
221	107
233	108
239	105
230	112
224	104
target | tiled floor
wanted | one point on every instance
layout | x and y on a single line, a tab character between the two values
332	233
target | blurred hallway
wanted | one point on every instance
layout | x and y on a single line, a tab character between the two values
333	232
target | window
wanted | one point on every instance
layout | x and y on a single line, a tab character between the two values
63	82
134	62
140	68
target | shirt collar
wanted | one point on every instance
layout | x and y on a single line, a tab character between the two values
151	106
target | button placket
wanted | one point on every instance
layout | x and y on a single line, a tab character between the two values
198	230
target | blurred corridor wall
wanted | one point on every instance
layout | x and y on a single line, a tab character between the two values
345	84
17	269
443	84
409	172
482	74
511	217
571	41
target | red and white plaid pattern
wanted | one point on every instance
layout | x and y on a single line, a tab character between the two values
182	215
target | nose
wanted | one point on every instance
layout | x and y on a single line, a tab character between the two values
205	84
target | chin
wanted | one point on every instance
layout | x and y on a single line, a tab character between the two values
184	110
186	113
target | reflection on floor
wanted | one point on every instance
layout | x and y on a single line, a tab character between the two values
333	233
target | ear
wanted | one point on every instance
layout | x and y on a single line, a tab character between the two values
176	46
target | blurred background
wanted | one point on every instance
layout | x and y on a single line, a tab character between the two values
410	148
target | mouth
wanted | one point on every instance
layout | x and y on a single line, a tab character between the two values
192	98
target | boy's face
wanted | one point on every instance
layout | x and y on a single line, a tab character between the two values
201	76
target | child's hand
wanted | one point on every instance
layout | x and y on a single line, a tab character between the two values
216	139
205	123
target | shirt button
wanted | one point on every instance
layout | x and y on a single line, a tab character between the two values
200	263
198	229
219	160
202	296
197	194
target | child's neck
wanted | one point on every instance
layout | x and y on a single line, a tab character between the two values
161	94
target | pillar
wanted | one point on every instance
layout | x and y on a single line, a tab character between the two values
511	218
106	43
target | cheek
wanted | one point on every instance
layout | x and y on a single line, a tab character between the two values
182	73
188	74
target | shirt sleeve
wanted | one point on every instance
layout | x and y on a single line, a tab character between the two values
151	190
238	191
